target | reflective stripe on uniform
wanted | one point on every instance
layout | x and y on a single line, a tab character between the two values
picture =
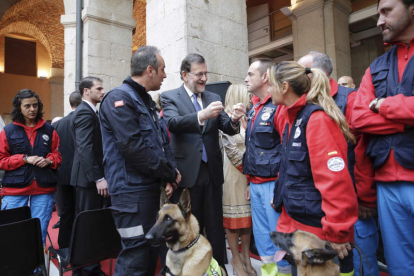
131	232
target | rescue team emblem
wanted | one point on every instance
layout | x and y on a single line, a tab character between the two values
119	103
297	133
269	110
336	164
298	122
45	137
265	116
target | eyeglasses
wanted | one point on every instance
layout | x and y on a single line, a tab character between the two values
199	75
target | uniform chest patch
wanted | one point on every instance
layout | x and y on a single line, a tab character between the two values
264	123
296	144
297	133
265	116
119	103
45	137
336	164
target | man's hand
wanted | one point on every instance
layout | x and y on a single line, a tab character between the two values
247	193
40	161
178	180
366	212
238	111
211	111
33	159
102	187
169	190
271	204
378	105
342	249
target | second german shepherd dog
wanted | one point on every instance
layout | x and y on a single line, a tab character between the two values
311	255
189	253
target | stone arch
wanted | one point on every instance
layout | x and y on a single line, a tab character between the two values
41	20
27	29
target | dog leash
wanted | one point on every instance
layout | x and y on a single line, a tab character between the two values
361	257
166	269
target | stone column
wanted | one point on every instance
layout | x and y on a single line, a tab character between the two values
56	93
322	25
107	42
215	29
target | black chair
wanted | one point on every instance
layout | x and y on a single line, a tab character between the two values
15	215
21	250
94	239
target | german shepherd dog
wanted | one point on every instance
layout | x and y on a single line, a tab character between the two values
311	255
189	252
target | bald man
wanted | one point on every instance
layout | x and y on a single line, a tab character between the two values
346	81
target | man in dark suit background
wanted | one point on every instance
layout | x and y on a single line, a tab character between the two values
65	193
87	170
193	117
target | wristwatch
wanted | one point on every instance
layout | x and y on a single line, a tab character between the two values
373	104
25	159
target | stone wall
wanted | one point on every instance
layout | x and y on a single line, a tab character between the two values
215	29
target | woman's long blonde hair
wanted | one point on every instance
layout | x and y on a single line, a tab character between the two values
318	90
237	93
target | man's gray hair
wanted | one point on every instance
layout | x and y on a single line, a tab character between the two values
142	58
322	61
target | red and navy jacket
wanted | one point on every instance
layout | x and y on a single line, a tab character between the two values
262	156
330	209
22	178
390	146
359	165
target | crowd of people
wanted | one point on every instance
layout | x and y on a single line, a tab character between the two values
295	150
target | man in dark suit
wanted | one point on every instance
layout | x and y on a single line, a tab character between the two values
193	117
65	193
87	170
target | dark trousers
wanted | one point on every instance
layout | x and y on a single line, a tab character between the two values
135	214
65	201
207	207
88	199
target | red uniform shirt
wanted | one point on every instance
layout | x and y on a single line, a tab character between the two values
324	140
11	162
395	112
363	171
256	100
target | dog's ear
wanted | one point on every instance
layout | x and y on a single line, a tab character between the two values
318	255
185	203
163	198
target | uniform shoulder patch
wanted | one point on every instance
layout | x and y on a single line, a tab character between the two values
336	164
119	103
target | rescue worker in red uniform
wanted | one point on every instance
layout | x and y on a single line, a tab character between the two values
314	191
384	110
29	155
359	166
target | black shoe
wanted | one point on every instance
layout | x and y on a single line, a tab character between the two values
56	225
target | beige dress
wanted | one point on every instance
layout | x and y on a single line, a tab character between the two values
236	209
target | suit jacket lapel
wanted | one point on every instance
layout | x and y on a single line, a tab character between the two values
183	95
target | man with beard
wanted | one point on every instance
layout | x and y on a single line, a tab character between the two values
384	109
193	117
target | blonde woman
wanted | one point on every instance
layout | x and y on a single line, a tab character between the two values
237	218
314	191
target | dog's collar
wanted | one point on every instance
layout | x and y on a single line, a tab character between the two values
191	244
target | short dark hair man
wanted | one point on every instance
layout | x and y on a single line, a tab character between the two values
262	170
87	169
384	110
138	159
29	155
193	117
65	193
